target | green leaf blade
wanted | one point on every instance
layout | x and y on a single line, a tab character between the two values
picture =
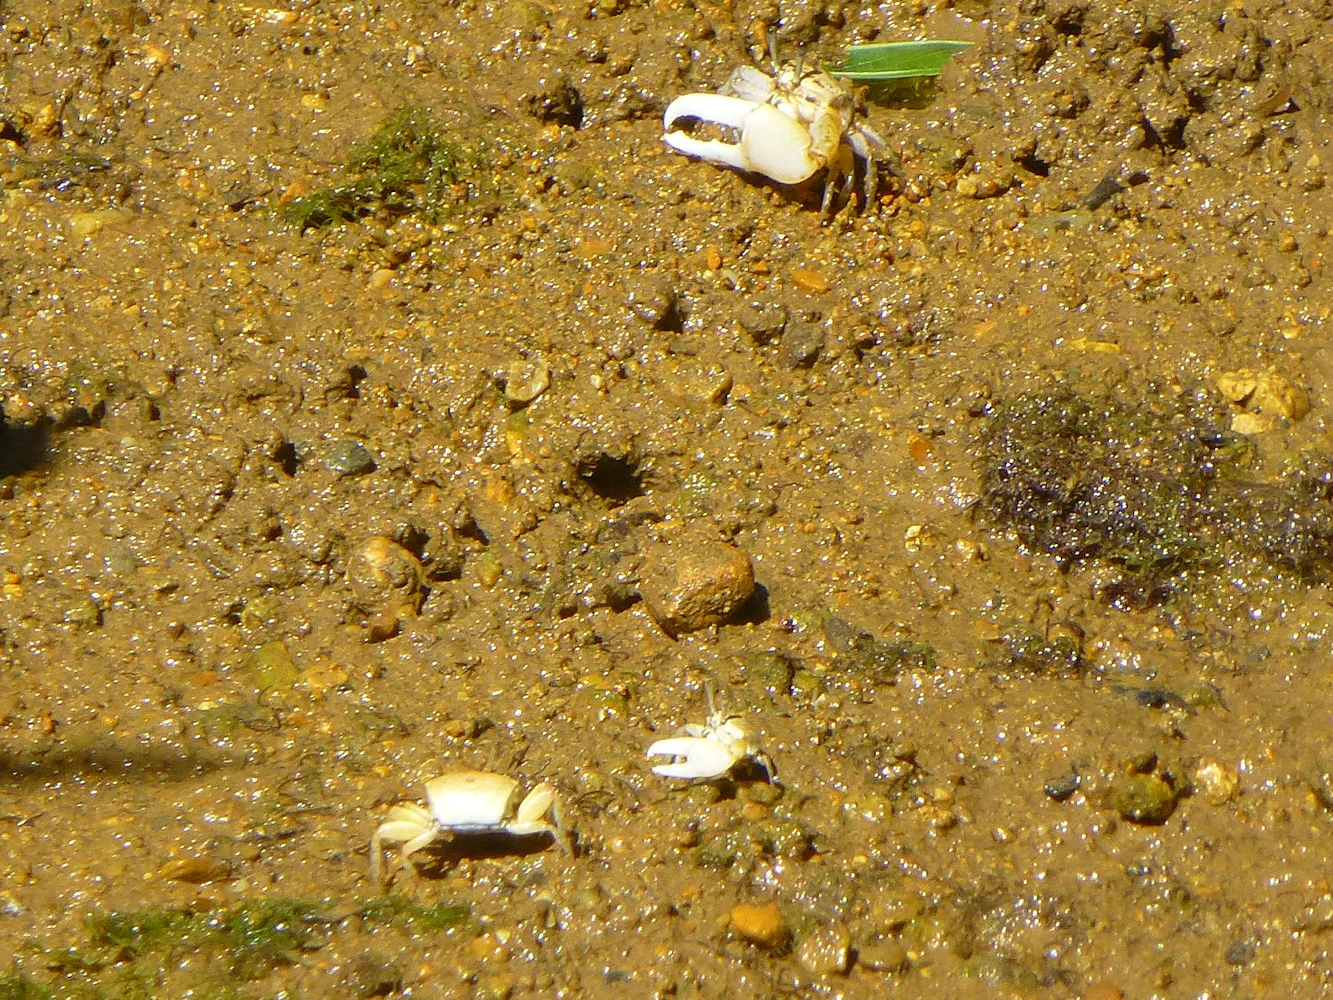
896	60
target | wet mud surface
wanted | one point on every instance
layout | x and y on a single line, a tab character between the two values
998	514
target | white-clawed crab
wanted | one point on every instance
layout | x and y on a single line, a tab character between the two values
709	751
790	126
470	802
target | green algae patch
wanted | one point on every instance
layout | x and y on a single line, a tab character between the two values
248	940
135	953
17	986
401	912
1083	478
410	165
1154	486
862	652
59	170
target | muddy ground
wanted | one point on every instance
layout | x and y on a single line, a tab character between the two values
1030	458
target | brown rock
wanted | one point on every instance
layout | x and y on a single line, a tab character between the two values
1250	424
884	955
760	923
825	950
196	871
687	586
385	578
1275	395
1267	398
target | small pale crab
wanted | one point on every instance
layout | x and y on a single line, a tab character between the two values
467	803
790	126
710	751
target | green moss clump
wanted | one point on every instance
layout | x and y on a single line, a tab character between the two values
1028	652
251	938
398	911
61	170
407	166
864	652
134	954
1152	484
1291	523
16	986
1112	479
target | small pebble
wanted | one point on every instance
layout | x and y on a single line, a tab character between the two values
1250	424
526	381
884	955
809	281
557	101
385	578
1061	786
349	458
801	344
825	951
760	923
987	183
1216	782
373	975
1275	395
195	871
1240	952
653	300
1267	397
689	586
1145	799
763	321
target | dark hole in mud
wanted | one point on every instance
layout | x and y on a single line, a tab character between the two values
352	379
284	455
21	448
755	609
1035	165
613	479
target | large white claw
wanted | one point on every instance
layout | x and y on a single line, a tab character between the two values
772	143
699	758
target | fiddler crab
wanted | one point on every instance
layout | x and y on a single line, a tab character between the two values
710	751
790	126
470	803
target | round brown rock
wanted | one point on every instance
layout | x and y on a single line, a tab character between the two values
825	950
760	923
687	586
1145	799
385	578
